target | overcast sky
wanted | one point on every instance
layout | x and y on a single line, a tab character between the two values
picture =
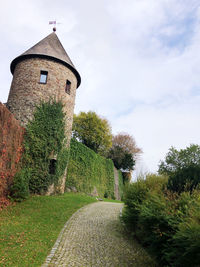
139	61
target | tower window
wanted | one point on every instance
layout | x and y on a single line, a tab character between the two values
43	76
68	87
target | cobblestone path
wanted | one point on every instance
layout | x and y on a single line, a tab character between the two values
95	237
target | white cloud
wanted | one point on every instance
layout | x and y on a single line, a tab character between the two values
158	128
139	62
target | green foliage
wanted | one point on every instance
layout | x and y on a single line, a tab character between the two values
186	243
121	159
93	131
126	177
155	224
155	183
20	188
88	170
167	223
183	168
134	195
176	160
128	162
112	200
44	139
124	151
184	179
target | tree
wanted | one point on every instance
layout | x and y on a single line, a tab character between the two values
182	167
177	160
93	131
185	179
124	151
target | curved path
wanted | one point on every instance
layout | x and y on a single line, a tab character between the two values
94	237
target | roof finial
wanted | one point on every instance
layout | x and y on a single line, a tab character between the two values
53	22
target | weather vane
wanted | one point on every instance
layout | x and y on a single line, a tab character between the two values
54	22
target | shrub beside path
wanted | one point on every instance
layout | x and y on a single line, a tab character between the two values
94	236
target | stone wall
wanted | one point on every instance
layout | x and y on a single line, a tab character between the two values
116	188
27	91
11	138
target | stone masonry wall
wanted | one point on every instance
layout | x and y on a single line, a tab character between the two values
116	185
27	91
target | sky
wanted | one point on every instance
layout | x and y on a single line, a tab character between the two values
139	61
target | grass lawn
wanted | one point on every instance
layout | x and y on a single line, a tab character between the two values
28	230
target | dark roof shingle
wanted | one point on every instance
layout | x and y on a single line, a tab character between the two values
49	47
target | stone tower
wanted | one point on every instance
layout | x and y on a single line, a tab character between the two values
42	72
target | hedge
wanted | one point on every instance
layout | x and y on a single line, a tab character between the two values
89	172
166	223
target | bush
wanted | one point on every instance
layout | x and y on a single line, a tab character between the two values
185	245
167	223
156	183
134	195
20	188
186	179
156	225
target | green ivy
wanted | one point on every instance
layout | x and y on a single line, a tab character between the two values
88	170
44	140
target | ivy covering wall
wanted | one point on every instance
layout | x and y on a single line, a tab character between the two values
45	154
89	172
11	138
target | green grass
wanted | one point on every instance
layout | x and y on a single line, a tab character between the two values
28	230
112	200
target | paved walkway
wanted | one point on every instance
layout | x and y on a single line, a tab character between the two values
95	237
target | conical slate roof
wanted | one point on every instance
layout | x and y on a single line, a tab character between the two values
51	48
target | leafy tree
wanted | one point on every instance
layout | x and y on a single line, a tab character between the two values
126	142
182	167
186	179
124	151
177	160
93	131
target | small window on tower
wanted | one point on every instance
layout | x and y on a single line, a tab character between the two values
43	76
68	87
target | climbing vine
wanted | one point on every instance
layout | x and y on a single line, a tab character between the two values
89	172
45	153
11	138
